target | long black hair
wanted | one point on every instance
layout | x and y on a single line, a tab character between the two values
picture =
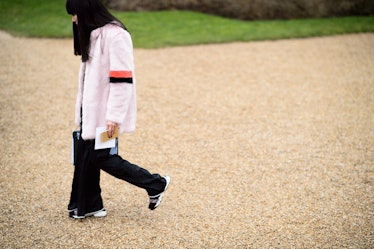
91	14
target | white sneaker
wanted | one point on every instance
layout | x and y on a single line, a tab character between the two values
155	200
97	214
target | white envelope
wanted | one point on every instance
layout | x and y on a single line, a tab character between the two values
103	145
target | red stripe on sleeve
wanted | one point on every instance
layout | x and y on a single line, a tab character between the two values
120	74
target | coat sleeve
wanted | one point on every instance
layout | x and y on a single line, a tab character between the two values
78	102
121	72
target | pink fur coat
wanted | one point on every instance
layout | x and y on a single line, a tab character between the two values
107	85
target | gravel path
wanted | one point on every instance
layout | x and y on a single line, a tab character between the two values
270	145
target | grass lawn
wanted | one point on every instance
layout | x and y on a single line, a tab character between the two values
48	18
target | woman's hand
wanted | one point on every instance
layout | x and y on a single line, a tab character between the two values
111	127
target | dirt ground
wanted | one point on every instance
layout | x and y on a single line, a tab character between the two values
269	145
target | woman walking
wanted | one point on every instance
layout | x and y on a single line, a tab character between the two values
106	98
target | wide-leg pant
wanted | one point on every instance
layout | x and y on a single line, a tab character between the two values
86	192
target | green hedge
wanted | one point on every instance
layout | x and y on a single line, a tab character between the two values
254	9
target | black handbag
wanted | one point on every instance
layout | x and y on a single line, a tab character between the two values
76	136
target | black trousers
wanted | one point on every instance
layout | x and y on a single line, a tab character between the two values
86	192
